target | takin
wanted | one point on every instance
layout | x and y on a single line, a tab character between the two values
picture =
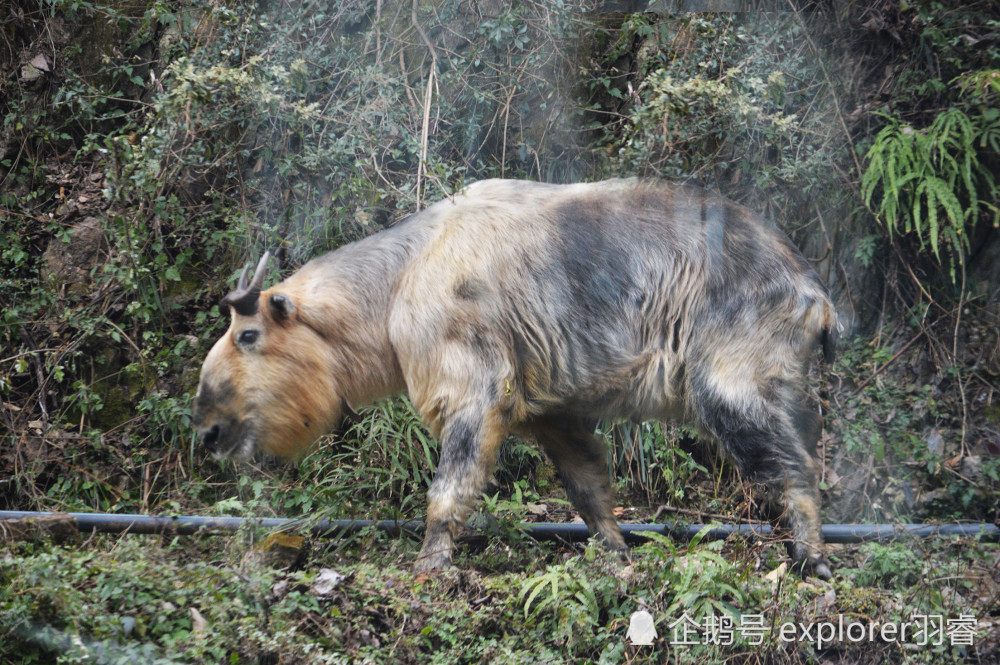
537	309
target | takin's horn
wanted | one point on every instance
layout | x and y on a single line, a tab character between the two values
244	299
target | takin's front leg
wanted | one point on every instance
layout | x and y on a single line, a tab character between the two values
469	443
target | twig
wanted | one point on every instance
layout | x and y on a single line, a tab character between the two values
406	83
125	335
887	363
701	514
833	93
378	34
39	374
27	353
829	245
954	360
428	96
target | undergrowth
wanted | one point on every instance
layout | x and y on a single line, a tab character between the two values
176	601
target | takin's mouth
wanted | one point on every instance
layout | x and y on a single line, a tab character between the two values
234	442
240	451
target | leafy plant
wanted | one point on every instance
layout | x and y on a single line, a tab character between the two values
568	600
931	181
386	462
700	580
647	457
898	565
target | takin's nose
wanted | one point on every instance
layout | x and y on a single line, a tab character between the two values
210	436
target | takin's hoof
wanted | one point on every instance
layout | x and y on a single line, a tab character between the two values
809	563
621	551
815	566
435	561
822	571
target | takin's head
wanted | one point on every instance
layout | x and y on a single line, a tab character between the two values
268	383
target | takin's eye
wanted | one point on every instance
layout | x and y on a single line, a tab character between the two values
247	337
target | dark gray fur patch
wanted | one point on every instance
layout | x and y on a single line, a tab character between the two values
469	289
459	447
598	269
211	395
752	444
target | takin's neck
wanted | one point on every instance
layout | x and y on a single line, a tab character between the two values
345	297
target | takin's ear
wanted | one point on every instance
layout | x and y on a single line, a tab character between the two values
281	307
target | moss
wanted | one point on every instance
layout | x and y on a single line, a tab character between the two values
118	392
992	413
119	402
861	601
90	42
114	411
183	290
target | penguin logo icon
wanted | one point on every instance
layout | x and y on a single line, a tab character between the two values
641	630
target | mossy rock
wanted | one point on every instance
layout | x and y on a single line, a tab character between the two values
115	409
118	395
121	398
67	265
90	36
182	291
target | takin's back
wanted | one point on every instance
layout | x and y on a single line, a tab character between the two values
622	298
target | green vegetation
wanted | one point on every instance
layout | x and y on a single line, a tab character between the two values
150	148
926	175
202	601
932	170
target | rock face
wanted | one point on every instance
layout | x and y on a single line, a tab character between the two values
68	265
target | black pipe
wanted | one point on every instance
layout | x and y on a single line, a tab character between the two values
187	524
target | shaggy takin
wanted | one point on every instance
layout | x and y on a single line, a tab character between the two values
537	309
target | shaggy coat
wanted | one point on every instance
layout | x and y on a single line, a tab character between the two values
538	309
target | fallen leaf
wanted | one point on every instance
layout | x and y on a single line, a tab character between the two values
198	624
626	574
326	582
777	573
832	478
41	62
825	602
537	508
806	586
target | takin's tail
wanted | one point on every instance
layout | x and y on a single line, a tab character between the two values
829	340
830	333
821	321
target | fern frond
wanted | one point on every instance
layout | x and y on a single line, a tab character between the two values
930	181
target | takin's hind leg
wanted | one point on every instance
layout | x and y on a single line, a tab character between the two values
801	504
769	448
797	504
581	459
